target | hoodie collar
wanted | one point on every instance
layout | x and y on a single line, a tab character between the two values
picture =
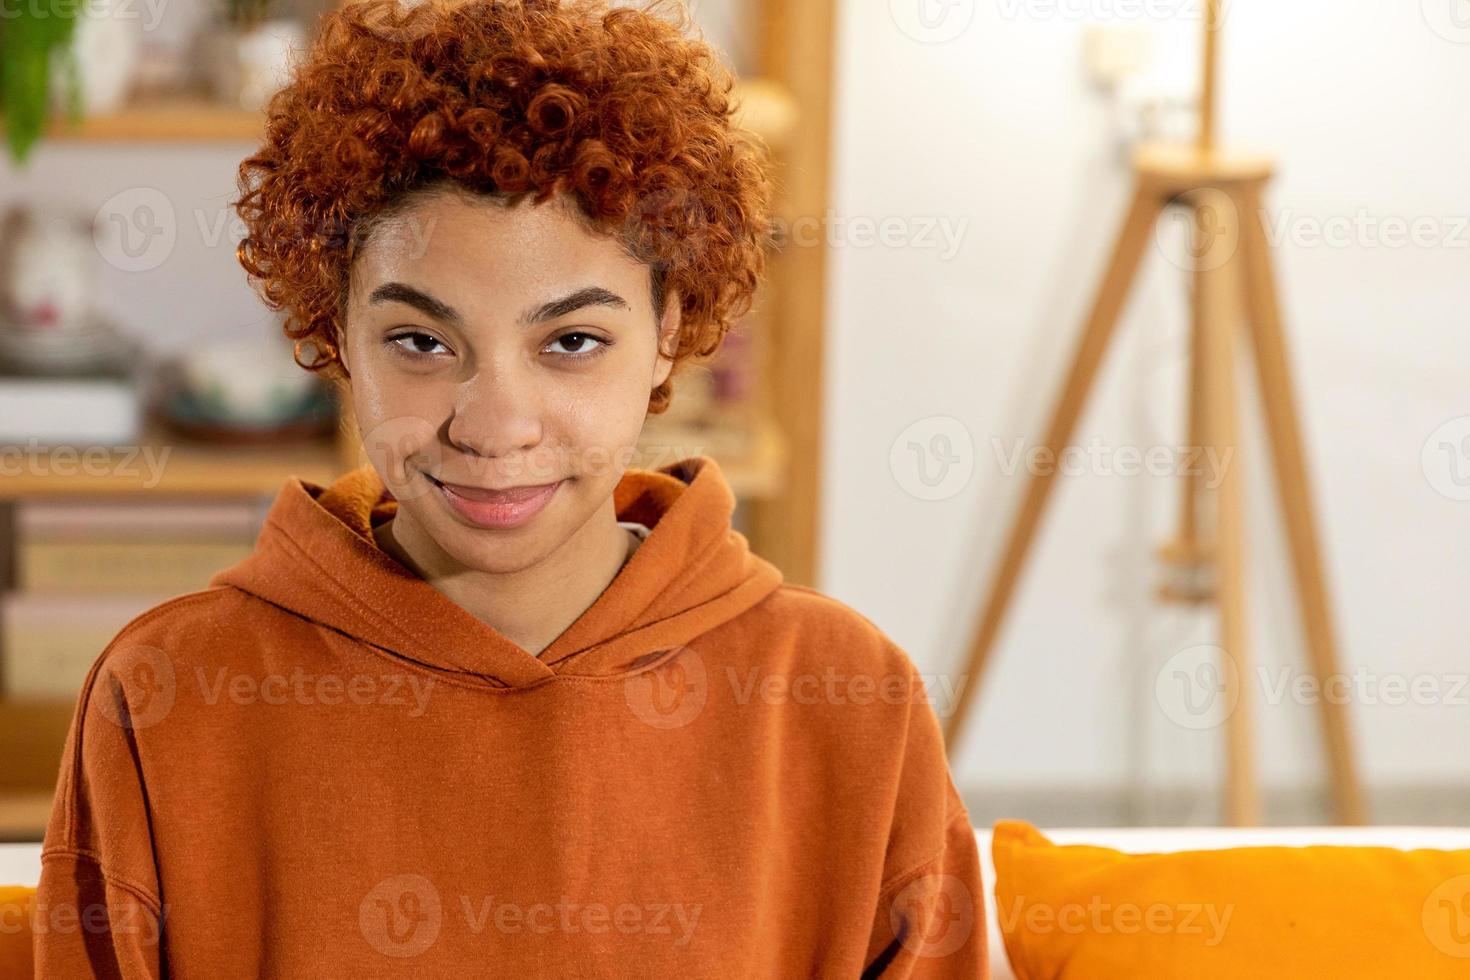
316	558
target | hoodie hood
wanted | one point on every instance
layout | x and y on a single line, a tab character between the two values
316	558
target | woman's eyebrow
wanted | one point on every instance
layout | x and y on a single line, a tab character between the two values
570	303
399	292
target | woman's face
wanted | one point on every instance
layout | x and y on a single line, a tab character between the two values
492	347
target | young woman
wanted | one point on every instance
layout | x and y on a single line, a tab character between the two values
496	704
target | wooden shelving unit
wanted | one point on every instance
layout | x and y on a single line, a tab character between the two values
183	469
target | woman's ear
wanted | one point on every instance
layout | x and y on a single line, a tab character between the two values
668	338
340	343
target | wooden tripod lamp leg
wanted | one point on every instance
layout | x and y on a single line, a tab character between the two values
1279	403
1112	292
1219	336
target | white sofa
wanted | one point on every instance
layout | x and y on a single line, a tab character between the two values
20	864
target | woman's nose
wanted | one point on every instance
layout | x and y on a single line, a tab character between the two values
497	416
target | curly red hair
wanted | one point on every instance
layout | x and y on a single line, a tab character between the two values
627	112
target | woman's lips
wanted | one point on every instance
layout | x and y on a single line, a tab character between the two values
497	508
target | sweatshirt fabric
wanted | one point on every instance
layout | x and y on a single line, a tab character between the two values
321	766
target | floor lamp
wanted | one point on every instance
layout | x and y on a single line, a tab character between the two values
1223	194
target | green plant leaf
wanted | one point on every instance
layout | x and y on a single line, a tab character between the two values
27	37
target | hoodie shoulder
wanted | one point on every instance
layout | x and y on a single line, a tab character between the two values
196	626
832	633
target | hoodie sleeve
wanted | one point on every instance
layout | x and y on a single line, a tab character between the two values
929	923
97	911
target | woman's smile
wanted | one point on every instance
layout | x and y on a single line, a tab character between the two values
499	509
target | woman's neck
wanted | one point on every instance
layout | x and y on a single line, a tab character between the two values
530	607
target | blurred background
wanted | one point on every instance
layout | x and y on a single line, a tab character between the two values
952	178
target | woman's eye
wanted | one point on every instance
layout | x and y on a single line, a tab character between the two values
579	344
416	343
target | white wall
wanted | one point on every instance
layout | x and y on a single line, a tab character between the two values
182	283
997	130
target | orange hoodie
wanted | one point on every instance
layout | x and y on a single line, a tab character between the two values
321	766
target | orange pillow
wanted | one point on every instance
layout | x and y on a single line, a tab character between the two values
1294	913
16	959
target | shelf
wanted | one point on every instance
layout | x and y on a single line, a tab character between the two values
765	108
163	464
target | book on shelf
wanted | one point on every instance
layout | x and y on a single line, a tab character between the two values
103	567
69	411
103	547
42	518
48	643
